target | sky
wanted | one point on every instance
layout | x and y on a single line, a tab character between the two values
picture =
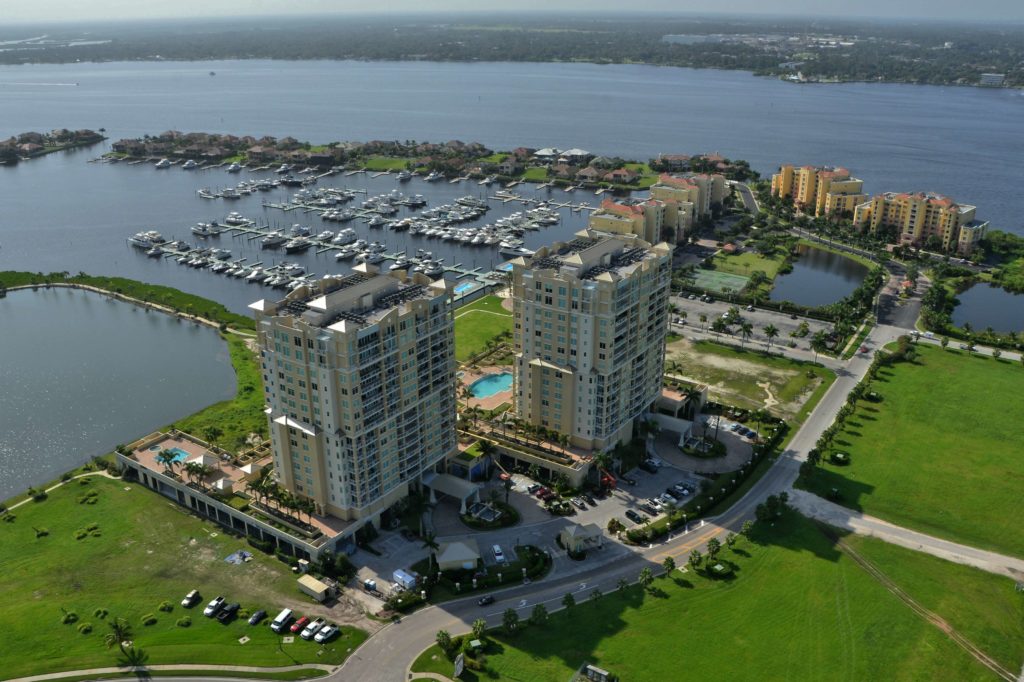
22	11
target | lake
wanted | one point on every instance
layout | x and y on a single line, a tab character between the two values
983	306
819	277
84	373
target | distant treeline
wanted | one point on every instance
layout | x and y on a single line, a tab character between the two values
918	53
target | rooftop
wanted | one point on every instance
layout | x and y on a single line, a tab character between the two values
349	302
591	254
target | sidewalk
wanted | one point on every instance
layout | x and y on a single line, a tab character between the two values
142	670
847	519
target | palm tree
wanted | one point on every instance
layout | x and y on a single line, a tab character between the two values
818	343
693	396
212	433
746	330
194	471
770	332
430	543
120	632
168	459
703	320
646	577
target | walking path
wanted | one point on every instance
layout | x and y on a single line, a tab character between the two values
54	487
848	519
142	670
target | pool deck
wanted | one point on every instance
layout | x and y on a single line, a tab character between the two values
490	402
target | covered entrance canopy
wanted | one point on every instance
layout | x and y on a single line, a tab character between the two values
452	486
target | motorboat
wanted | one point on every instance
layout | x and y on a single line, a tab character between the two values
235	218
434	176
230	193
297	245
285	168
346	253
257	274
146	240
163	163
326	236
404	176
377	221
220	254
155	252
400	264
273	240
298	230
234	168
189	165
206	229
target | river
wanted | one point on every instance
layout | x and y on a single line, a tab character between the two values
84	373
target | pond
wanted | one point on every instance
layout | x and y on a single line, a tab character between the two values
984	305
819	277
83	373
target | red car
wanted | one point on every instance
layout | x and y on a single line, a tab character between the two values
542	491
301	623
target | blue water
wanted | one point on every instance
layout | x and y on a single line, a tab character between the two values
491	384
462	288
179	454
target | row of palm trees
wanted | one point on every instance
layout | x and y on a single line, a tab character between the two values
195	472
264	489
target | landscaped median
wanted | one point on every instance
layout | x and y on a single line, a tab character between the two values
798	604
97	550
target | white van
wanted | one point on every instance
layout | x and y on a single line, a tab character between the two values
282	620
499	556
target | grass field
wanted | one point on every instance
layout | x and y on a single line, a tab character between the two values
383	163
941	452
746	263
749	378
797	609
145	550
477	323
243	414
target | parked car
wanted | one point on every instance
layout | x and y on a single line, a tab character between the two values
533	488
635	517
541	492
735	427
590	500
656	503
750	308
649	466
312	628
281	621
499	556
214	607
298	625
190	599
681	489
647	509
227	614
326	633
667	498
255	618
579	503
485	600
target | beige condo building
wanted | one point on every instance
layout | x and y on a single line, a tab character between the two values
920	215
358	375
821	190
590	318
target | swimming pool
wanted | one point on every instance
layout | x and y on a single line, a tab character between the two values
179	454
486	386
463	288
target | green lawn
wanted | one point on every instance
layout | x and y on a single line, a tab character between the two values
941	452
477	323
302	674
146	550
536	175
746	263
797	609
750	378
496	157
243	414
383	163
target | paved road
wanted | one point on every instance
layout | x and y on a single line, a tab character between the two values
749	200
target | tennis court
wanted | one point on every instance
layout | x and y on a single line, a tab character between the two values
714	280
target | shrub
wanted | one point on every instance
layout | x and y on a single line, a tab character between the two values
85	628
65	477
166	606
69	617
149	619
184	622
41	532
265	546
100	613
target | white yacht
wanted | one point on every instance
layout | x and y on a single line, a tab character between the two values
146	240
404	176
297	245
230	193
189	165
402	263
434	176
235	218
285	168
163	163
234	168
258	274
